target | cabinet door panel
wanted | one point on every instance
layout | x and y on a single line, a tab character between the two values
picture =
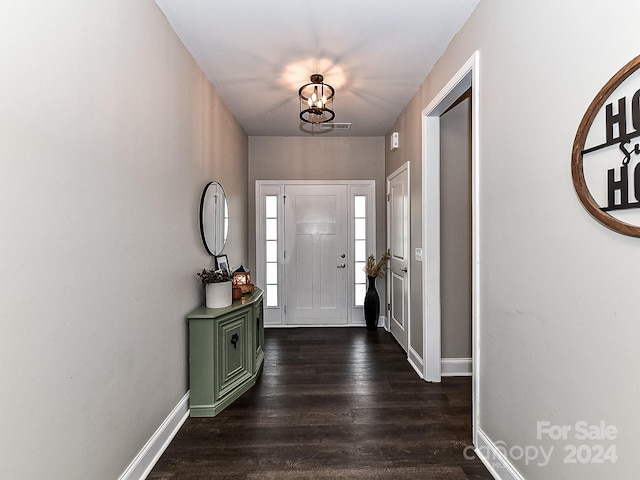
235	357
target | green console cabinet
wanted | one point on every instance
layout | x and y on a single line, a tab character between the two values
225	353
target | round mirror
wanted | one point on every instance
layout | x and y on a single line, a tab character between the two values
214	218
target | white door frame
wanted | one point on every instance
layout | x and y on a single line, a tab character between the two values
275	316
467	77
406	166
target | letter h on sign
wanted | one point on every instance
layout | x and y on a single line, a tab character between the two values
615	185
622	185
620	118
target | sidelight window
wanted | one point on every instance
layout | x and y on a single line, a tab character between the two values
271	248
360	248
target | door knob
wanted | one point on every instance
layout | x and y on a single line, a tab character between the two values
404	269
342	265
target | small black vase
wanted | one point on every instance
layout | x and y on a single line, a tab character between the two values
371	305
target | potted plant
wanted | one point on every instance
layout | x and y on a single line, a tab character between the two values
371	298
217	285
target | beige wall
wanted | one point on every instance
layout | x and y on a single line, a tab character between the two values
408	125
455	230
313	158
108	133
558	307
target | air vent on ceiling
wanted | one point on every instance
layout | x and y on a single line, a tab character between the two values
335	126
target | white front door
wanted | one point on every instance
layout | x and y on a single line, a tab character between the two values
398	245
315	254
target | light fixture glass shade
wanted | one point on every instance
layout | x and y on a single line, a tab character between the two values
241	276
316	101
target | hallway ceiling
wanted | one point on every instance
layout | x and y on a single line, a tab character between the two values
375	53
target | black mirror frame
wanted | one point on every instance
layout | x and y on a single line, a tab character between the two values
201	216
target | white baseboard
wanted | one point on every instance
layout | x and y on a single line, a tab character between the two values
382	321
416	362
497	464
456	367
140	467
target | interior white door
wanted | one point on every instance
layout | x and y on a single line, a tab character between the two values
398	244
315	258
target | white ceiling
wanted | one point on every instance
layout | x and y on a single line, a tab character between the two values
375	53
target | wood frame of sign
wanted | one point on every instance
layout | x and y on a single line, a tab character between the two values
578	151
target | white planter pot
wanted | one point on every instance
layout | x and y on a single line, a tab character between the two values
218	295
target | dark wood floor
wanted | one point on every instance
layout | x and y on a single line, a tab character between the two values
332	403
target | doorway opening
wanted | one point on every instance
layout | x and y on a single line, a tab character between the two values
455	238
466	78
312	242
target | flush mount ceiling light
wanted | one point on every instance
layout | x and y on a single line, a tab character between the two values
316	101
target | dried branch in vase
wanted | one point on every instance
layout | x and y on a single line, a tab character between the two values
374	269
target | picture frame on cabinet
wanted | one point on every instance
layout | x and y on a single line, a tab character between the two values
222	263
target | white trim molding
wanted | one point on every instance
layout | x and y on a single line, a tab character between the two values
468	76
406	166
276	316
495	461
415	360
144	461
382	322
456	367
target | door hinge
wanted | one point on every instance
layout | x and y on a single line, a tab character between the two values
388	197
284	199
388	251
389	307
284	254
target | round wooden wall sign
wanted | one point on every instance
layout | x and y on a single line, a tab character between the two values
605	163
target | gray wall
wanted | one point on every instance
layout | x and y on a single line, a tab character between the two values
558	306
108	133
408	125
455	230
319	158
